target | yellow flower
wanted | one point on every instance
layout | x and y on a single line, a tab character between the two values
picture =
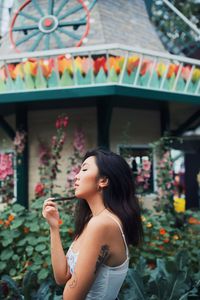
149	225
176	237
143	219
179	204
196	74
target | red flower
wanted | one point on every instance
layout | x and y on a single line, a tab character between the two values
65	121
39	189
58	123
193	220
166	241
162	231
99	63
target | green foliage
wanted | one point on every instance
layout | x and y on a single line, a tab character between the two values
165	234
169	280
25	245
175	33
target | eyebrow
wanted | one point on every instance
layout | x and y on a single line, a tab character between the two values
84	164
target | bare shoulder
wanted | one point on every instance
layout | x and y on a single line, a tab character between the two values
103	224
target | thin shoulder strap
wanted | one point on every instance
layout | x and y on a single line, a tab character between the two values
123	236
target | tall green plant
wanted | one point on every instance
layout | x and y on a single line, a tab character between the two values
50	156
170	280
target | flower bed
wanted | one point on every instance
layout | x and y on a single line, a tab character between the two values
65	71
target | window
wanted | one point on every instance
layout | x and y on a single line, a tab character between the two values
140	160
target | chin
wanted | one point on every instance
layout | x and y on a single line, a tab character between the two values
78	195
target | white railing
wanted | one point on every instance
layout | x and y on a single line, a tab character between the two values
99	65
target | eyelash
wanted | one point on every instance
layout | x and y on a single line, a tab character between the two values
84	169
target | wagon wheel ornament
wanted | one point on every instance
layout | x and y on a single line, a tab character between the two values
44	25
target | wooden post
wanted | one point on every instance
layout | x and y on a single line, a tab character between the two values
165	120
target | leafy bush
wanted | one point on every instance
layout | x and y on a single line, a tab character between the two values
25	263
25	244
170	280
167	233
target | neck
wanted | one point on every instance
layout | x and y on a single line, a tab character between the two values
96	204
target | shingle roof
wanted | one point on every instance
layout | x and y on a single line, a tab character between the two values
122	21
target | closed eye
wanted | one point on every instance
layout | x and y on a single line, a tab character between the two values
84	170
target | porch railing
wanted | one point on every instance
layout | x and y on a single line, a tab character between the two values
99	65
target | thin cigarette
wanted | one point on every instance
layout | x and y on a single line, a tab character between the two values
63	198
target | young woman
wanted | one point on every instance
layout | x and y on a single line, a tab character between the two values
107	221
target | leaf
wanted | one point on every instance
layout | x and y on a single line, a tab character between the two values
29	284
101	77
178	285
6	254
12	272
40	247
29	250
129	79
53	79
29	82
12	285
2	265
181	259
2	85
113	77
43	274
19	84
66	79
136	282
17	223
40	81
34	227
7	242
18	208
9	84
44	293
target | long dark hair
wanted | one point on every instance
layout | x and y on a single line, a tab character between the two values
118	197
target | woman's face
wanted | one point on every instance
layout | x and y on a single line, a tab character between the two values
86	181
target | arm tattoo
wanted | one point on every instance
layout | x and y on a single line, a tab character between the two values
73	281
104	253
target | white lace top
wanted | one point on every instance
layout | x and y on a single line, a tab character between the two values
109	279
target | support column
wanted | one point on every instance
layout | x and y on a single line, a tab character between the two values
104	115
164	120
7	128
22	159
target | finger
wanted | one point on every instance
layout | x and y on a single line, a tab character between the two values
49	210
49	199
49	203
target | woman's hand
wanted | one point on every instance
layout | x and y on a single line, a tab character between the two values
50	213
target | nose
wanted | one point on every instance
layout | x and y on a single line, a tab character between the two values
76	176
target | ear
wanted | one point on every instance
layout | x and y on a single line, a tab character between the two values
103	182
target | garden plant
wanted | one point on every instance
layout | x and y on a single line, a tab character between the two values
165	267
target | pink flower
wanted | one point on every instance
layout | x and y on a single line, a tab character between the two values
19	141
168	185
140	179
53	140
65	121
6	165
79	141
73	172
58	123
146	165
